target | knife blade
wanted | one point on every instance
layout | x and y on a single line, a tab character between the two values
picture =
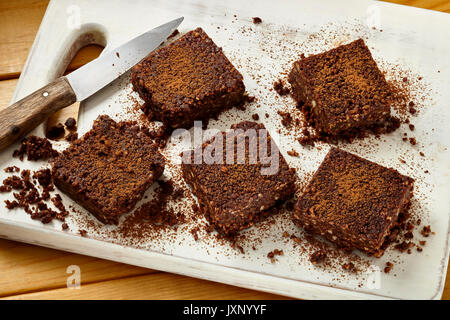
24	115
95	75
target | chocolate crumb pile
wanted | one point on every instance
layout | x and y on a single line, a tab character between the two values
35	148
154	214
33	191
157	211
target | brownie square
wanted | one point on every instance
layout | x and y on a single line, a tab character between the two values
342	91
108	170
190	79
354	202
237	193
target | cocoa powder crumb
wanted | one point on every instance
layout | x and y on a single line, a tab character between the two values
426	231
271	255
12	169
318	257
55	132
404	246
388	267
286	118
173	34
280	87
255	117
71	124
350	267
257	20
194	232
409	235
293	153
11	204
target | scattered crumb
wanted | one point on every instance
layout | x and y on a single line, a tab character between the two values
55	132
293	153
257	20
71	124
280	88
318	257
426	231
388	267
271	255
350	266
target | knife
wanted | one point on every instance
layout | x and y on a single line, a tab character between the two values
21	117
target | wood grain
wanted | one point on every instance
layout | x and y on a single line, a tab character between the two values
153	286
27	268
439	5
20	20
6	91
30	272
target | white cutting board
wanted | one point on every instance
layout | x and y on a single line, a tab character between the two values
410	36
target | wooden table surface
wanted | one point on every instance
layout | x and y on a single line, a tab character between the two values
30	272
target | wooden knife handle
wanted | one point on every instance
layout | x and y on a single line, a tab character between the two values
26	114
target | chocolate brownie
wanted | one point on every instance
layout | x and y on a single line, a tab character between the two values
236	193
354	202
342	91
108	170
190	79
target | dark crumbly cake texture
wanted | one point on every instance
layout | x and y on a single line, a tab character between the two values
235	196
108	170
342	91
190	79
354	202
